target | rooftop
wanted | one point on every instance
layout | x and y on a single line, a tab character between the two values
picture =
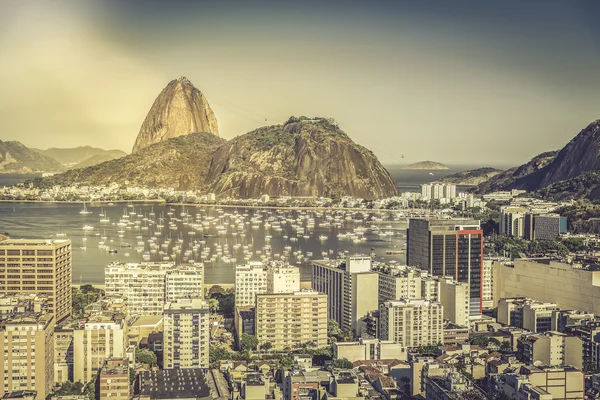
173	384
34	242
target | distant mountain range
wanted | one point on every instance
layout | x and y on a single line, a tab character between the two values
16	158
71	157
570	173
431	165
302	157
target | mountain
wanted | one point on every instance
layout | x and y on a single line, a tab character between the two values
512	177
181	163
15	158
98	159
72	156
572	172
427	165
302	157
180	109
472	177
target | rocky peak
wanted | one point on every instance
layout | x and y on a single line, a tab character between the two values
179	109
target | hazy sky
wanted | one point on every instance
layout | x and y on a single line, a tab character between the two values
463	82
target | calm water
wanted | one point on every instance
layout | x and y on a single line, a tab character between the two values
222	238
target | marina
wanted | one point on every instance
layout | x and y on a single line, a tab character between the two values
218	237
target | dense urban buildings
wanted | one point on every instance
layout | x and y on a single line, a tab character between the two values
27	346
449	248
351	288
38	266
250	279
147	286
570	287
287	320
186	334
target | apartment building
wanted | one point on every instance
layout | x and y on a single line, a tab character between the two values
398	282
27	350
101	337
526	313
282	278
185	282
449	248
146	286
113	380
40	267
411	323
186	335
289	319
369	349
552	349
250	280
352	289
454	297
63	354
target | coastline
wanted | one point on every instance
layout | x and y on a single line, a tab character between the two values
207	286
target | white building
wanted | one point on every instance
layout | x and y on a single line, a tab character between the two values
250	280
411	323
146	285
282	278
186	334
454	297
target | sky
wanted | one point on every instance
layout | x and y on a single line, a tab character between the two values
459	82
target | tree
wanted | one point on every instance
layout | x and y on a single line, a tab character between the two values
333	328
215	289
213	305
248	342
217	354
226	303
69	388
341	363
145	356
505	346
266	346
90	389
428	349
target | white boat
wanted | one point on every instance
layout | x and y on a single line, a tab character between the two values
88	228
85	210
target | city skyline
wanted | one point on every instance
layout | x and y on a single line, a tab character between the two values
401	78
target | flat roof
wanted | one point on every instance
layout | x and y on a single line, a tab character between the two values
34	242
147	320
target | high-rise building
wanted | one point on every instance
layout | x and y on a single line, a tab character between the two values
551	348
147	286
526	313
426	191
351	287
411	323
449	248
454	296
548	226
63	355
398	282
38	266
450	191
102	337
186	334
27	349
250	280
114	380
283	278
287	320
512	221
185	282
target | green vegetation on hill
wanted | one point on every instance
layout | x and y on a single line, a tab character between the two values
472	176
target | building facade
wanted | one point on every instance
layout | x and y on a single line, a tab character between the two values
412	323
113	380
186	335
27	351
449	248
286	320
148	285
41	267
454	296
250	280
351	288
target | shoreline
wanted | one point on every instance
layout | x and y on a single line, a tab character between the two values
207	286
252	206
